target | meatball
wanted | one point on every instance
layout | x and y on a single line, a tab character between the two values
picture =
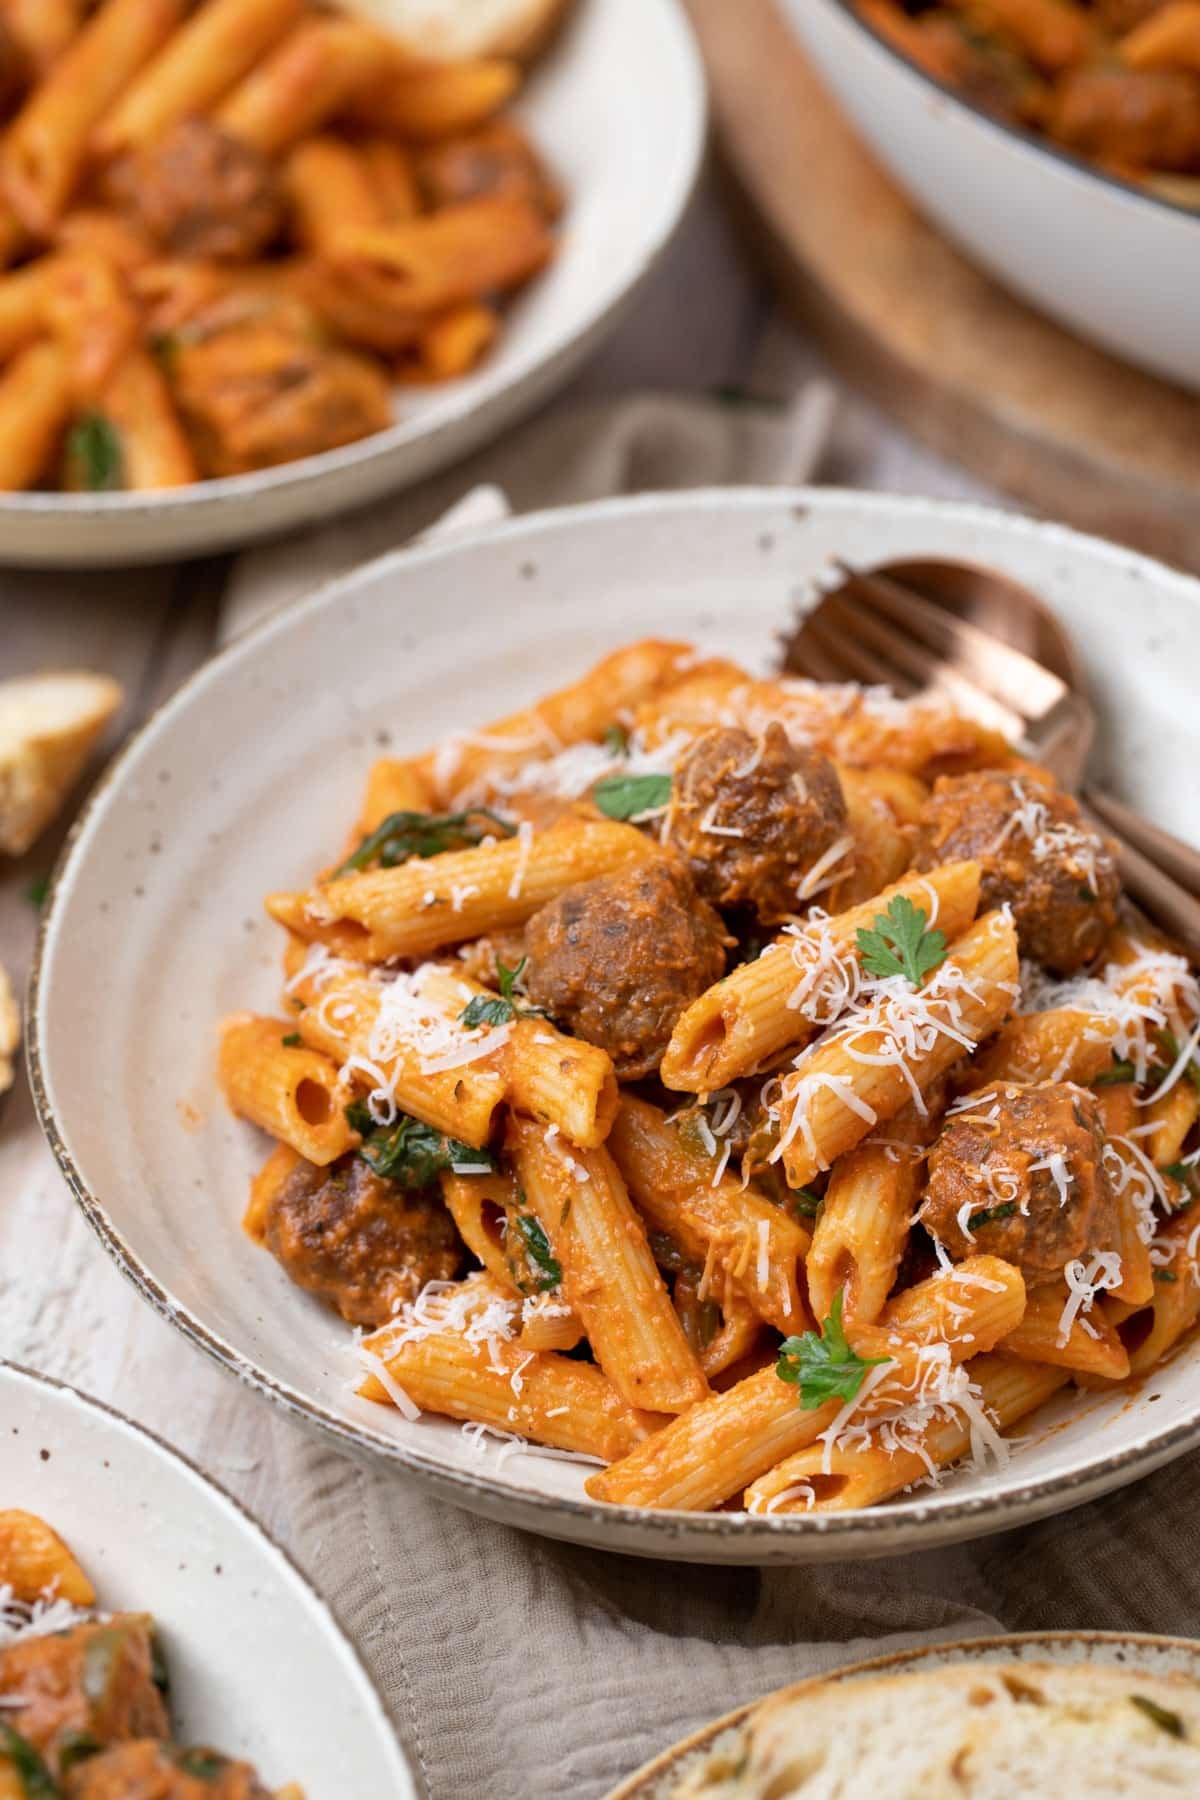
95	1681
1143	118
154	1771
1021	1175
258	392
616	960
753	815
363	1244
200	192
497	160
1037	853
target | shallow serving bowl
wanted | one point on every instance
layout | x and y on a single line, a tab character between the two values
1104	259
156	1536
1140	1651
244	782
618	106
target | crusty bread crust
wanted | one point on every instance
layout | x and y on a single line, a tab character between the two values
48	724
978	1731
457	28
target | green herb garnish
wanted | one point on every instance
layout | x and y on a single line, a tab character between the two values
34	1776
1085	893
75	1746
38	891
900	943
804	1202
94	454
292	1041
616	740
826	1367
991	1215
1121	1071
498	1009
537	1248
406	834
1170	1046
412	1153
1180	1171
1167	1721
205	1765
1165	1275
629	796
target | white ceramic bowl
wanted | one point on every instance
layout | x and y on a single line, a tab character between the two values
618	106
245	780
1137	1651
1104	259
156	1536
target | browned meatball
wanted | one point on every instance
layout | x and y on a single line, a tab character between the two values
753	815
363	1244
495	161
1021	1175
1144	118
155	1771
616	960
199	192
1037	853
95	1680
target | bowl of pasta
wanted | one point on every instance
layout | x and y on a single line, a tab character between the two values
1059	145
260	261
661	1104
138	1604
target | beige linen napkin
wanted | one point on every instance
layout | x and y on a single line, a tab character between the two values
515	1667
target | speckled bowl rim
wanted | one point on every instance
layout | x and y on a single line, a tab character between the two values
159	1446
1029	140
904	1525
644	1781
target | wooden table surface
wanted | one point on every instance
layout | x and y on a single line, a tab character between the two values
64	1309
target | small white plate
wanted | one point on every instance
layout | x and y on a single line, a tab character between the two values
244	782
1102	257
1139	1652
619	108
155	1535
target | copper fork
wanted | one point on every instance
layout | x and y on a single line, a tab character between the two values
880	627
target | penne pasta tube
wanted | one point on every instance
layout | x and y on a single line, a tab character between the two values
392	786
452	343
220	43
745	1244
88	310
720	1336
23	297
441	259
1173	1117
856	1475
862	1074
1054	34
499	1384
786	995
386	1043
863	1224
291	1091
46	146
1051	1046
1150	1331
328	186
282	1161
436	100
547	1323
569	715
155	452
393	179
35	405
424	904
93	231
1133	1181
720	1447
609	1277
302	83
881	805
44	28
480	1206
34	1561
1168	38
1090	1344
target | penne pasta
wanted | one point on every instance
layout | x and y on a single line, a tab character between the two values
328	184
436	101
265	1187
35	405
154	449
786	995
1088	1343
864	1221
291	1091
306	80
443	259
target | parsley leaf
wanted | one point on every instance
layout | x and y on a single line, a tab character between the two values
38	892
616	740
803	1202
900	944
1165	1275
292	1041
410	1152
825	1367
991	1215
1121	1071
1180	1171
537	1247
490	1009
628	796
406	834
1167	1721
30	1770
94	454
205	1765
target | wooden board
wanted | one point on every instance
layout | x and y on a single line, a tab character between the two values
967	368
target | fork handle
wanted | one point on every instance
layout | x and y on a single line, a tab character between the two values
1179	860
1171	906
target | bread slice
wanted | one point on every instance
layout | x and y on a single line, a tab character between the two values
457	28
10	1030
979	1731
48	724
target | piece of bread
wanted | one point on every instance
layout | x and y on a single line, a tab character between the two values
10	1030
979	1731
48	724
448	29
